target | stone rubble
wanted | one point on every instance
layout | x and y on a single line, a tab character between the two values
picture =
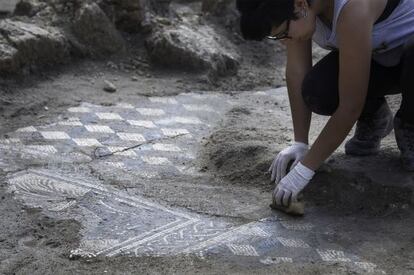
109	87
182	46
7	6
177	35
27	44
95	32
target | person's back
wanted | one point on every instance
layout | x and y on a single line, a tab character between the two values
389	34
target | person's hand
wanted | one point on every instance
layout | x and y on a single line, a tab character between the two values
295	153
290	186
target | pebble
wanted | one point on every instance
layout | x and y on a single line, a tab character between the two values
112	65
109	87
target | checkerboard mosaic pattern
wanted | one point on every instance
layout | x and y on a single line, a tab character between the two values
157	138
154	138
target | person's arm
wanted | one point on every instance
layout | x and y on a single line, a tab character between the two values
299	62
354	38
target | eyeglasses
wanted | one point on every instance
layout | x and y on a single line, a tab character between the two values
282	35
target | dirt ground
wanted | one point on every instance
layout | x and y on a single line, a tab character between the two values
364	205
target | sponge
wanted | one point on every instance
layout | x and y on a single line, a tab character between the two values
295	208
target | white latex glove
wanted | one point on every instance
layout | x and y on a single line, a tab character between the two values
291	185
295	153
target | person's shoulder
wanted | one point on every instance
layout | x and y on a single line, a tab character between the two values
357	7
355	24
361	9
357	13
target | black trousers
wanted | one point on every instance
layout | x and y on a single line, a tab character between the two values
320	86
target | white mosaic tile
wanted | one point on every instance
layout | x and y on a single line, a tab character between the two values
297	243
260	93
276	260
131	137
163	100
255	231
125	106
43	148
156	160
86	142
90	105
146	174
115	149
142	123
109	116
99	129
119	165
174	132
128	153
333	256
297	226
199	108
189	156
243	250
54	135
70	122
29	129
188	170
166	147
150	111
203	96
9	140
79	110
179	120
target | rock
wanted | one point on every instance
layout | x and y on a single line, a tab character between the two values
7	6
129	15
135	78
112	65
187	12
109	87
29	7
94	34
9	57
182	46
28	44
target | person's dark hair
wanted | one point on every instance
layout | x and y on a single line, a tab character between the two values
259	16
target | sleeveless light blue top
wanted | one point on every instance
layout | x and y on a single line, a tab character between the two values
388	36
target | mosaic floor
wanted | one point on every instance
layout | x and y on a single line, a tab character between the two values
155	140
